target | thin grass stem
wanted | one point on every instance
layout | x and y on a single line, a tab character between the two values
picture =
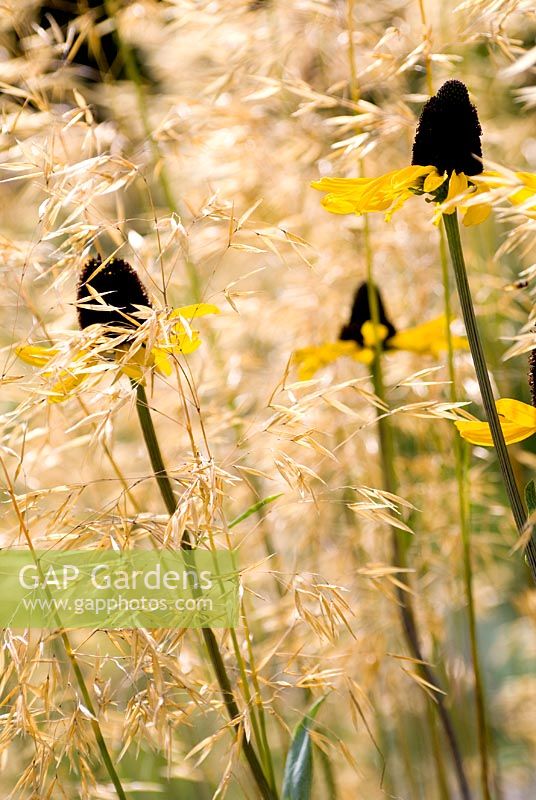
134	76
88	702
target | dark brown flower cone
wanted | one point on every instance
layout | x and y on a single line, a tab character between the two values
448	133
119	286
361	313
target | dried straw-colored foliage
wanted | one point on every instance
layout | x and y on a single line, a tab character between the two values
198	174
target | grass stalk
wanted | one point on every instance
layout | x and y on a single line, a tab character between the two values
88	702
452	230
135	78
267	792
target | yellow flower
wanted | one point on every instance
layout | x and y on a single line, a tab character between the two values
446	157
174	338
518	422
430	338
390	191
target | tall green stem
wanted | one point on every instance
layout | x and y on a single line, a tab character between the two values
463	507
166	490
407	614
518	510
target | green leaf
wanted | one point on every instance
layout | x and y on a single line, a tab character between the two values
255	507
530	497
298	777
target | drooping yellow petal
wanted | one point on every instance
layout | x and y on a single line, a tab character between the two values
520	186
457	187
479	432
64	379
184	343
194	310
162	361
36	355
362	195
476	214
433	181
429	338
517	412
525	196
65	384
518	422
311	359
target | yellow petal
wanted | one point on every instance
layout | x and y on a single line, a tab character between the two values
429	338
132	371
183	343
433	181
479	432
310	359
36	355
162	361
474	215
364	355
194	310
518	422
457	186
362	195
517	412
338	205
63	387
528	178
328	184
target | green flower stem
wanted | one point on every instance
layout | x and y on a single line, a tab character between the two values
166	490
101	744
153	448
399	539
407	614
460	452
518	510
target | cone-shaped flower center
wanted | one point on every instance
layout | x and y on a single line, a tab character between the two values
362	313
448	133
120	291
